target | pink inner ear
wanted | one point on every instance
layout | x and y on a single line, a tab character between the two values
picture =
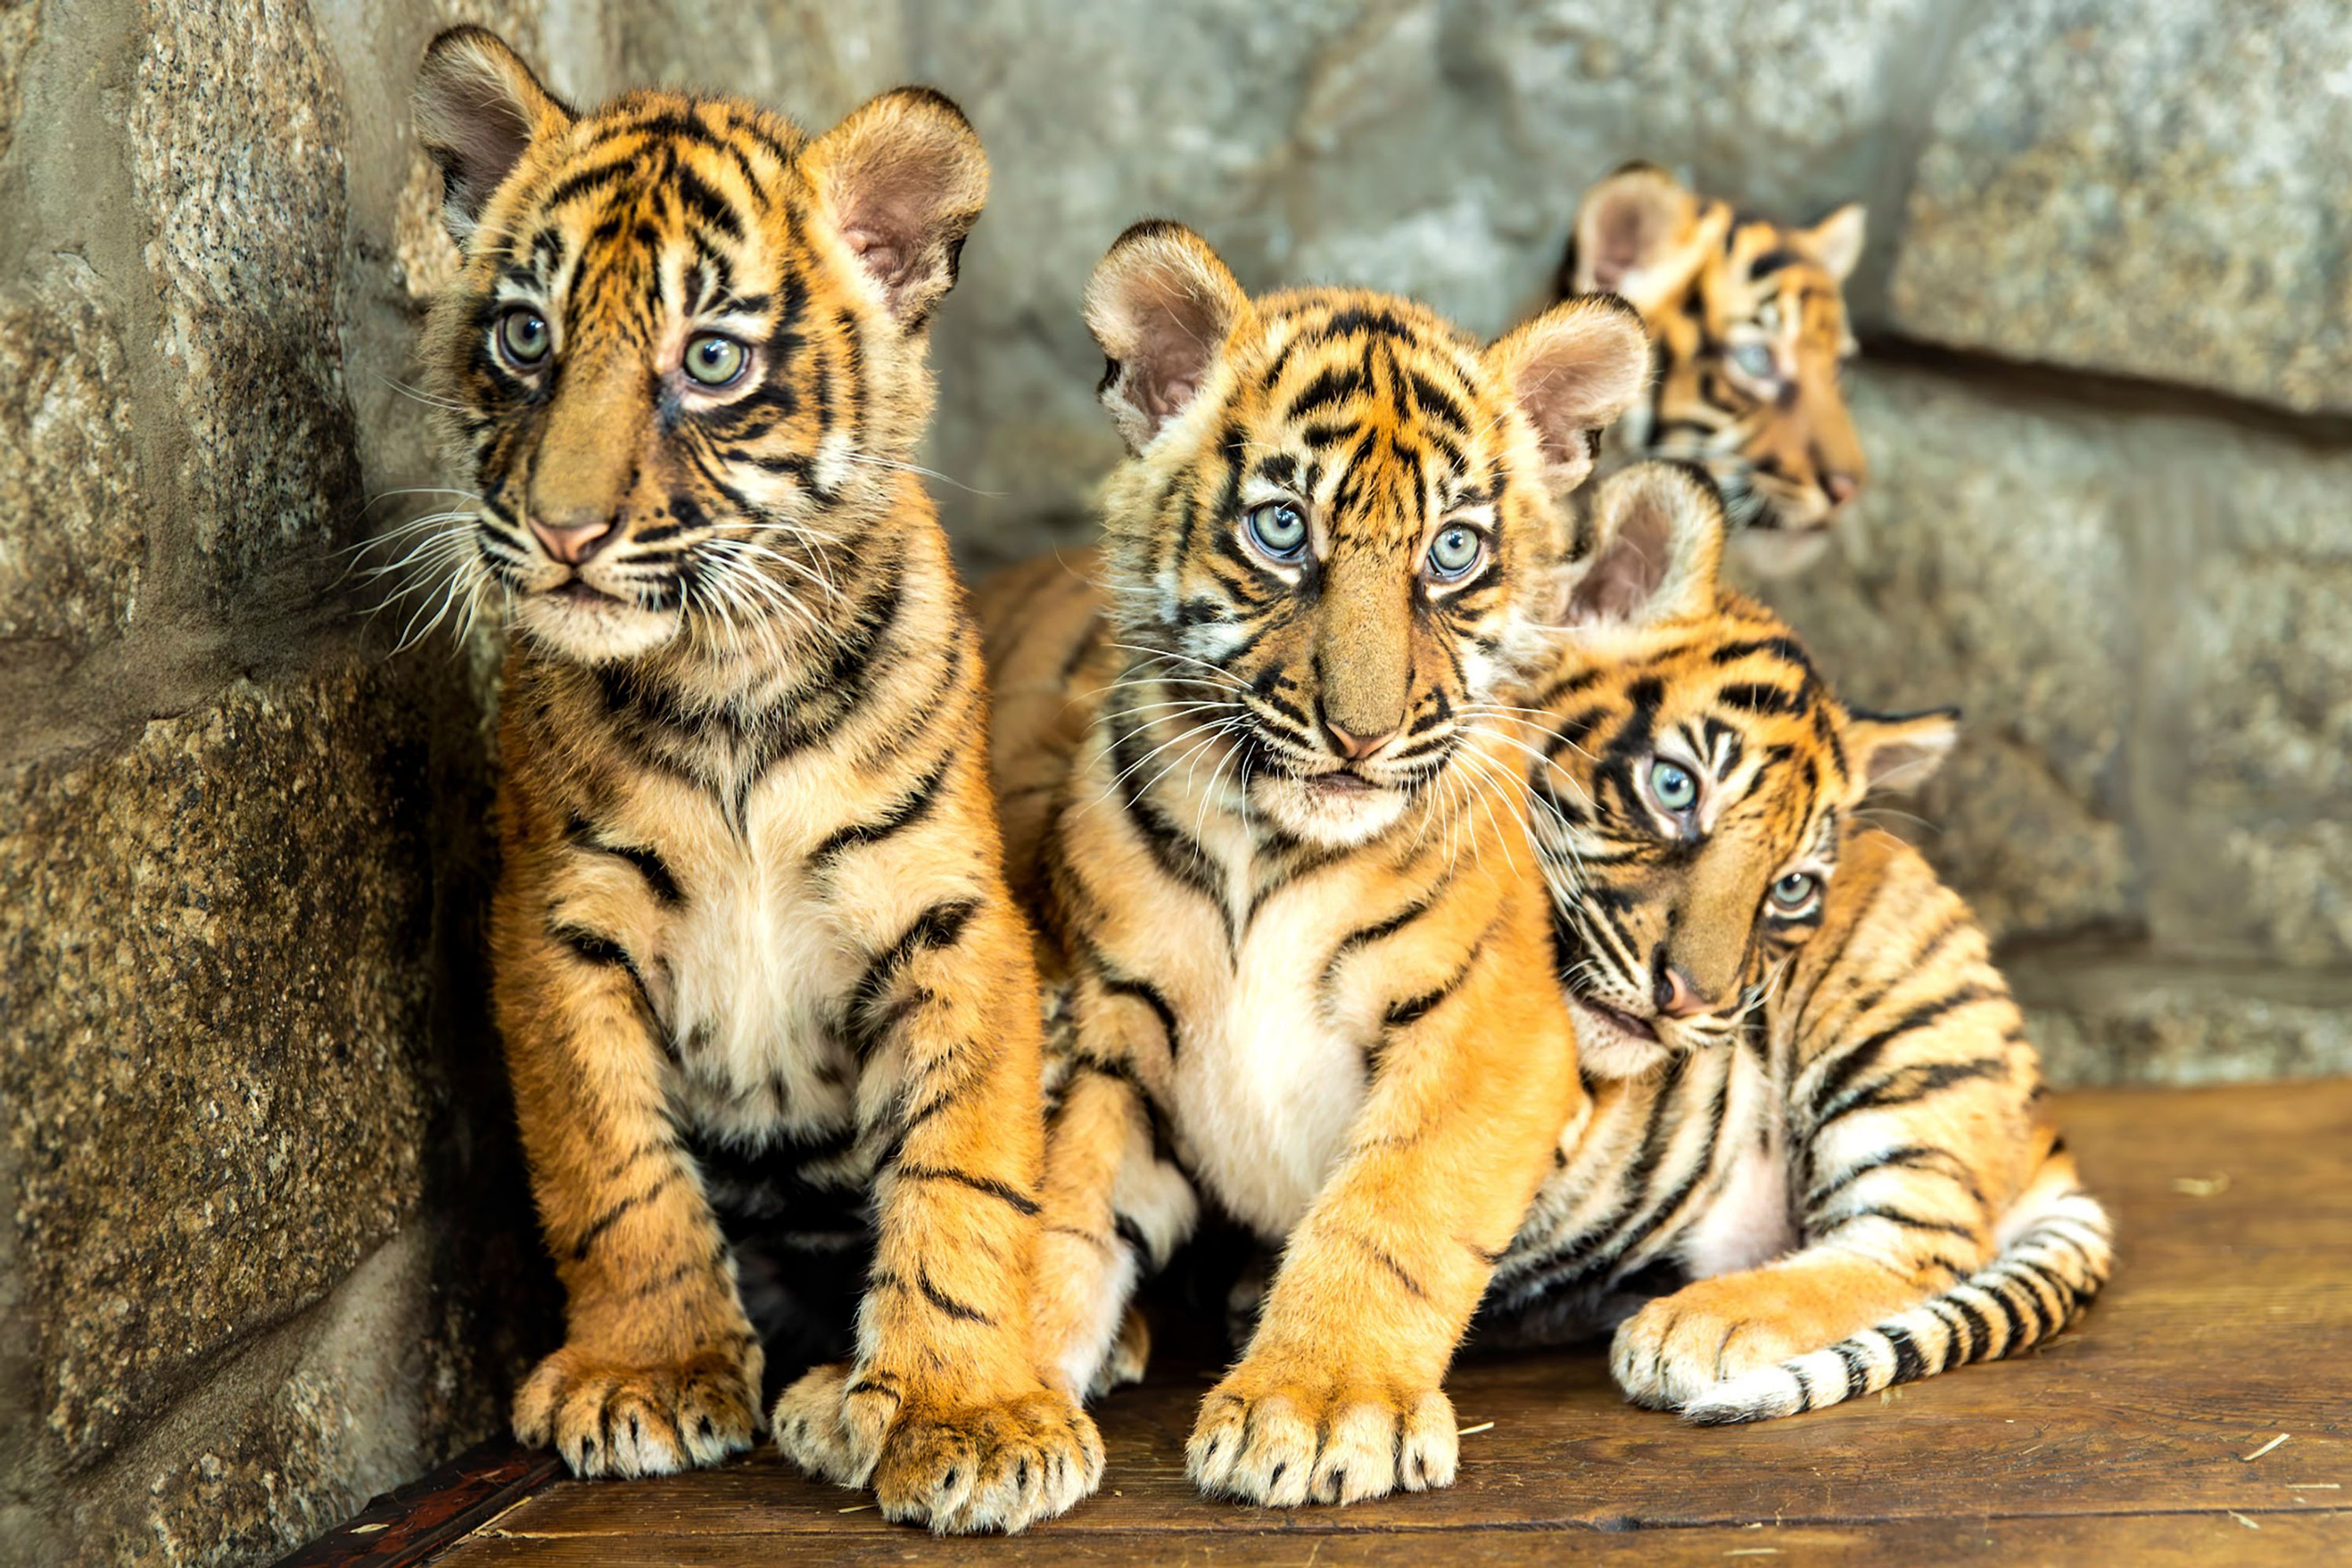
882	258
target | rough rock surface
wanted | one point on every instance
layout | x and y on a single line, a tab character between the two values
72	526
212	1123
2143	187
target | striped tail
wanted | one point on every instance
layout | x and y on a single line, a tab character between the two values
2056	1252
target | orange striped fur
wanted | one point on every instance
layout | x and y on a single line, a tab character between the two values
769	1007
1813	1160
1749	324
1274	824
1815	1109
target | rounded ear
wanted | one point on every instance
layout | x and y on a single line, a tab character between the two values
477	106
903	178
1836	241
1898	751
1657	551
1639	234
1162	305
1572	371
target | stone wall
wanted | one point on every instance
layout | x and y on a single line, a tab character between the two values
263	1246
257	1173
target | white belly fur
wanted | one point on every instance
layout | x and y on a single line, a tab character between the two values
755	961
1265	1090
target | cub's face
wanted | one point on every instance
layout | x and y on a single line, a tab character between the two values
685	351
1339	535
1748	322
1698	774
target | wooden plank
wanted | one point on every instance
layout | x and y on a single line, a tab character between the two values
412	1524
2175	1540
2229	1322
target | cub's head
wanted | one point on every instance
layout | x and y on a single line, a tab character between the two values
1341	528
1699	777
685	360
1748	320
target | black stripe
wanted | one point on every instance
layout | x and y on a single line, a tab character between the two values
1909	1221
905	812
1412	1009
1365	935
1143	991
1909	1365
1865	1053
949	1304
1020	1202
1906	1086
937	927
601	951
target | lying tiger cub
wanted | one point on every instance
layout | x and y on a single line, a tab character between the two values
1813	1097
1748	323
1307	945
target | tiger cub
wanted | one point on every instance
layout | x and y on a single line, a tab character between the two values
1815	1109
770	1012
1749	324
1285	862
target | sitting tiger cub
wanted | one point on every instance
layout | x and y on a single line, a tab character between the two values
769	1008
1813	1099
1307	945
1749	324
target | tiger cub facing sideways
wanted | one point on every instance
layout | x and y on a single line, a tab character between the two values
1747	323
1814	1106
770	1012
1307	945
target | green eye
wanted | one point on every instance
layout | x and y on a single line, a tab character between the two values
1793	893
1673	787
523	335
1454	551
714	360
1279	529
1756	359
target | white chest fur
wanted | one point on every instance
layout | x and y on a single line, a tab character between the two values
1265	1087
756	965
1749	1221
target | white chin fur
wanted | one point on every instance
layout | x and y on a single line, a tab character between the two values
593	634
1606	1050
1334	821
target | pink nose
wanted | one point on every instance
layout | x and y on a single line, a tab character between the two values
1676	996
1842	488
572	545
1356	748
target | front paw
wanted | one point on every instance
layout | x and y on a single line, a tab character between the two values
961	1469
612	1418
1264	1439
819	1429
1680	1346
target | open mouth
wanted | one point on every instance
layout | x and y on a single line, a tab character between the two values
1626	1023
578	592
1340	782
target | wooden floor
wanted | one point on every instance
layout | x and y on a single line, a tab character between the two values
2148	1435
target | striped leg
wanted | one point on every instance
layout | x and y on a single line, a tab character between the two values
659	1370
945	1412
1115	1211
1338	1398
1880	1299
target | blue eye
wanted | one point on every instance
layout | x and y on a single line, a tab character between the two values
523	334
1672	787
1279	529
1756	359
1795	892
1454	552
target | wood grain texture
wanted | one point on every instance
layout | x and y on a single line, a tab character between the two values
2229	1321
